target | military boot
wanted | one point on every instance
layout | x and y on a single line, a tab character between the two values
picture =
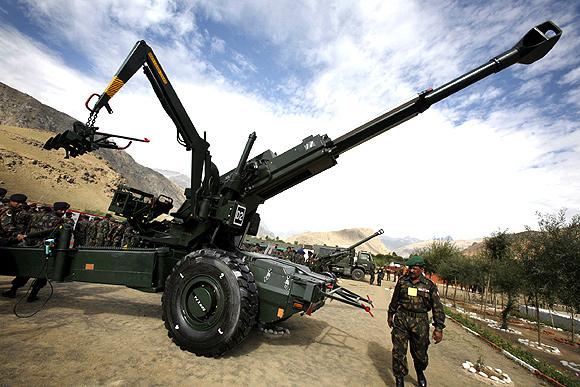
400	381
11	293
421	380
33	295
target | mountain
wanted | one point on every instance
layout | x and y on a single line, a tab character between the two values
393	243
462	244
19	110
341	238
178	178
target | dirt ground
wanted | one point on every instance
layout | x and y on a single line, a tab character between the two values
91	334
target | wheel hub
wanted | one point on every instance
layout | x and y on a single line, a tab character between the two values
202	302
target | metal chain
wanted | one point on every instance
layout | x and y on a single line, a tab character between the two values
92	118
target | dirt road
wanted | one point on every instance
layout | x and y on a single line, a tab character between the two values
110	335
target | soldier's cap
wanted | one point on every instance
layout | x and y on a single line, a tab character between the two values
63	206
18	198
2	192
415	260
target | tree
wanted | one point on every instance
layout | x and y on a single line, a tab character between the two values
450	270
437	253
506	271
552	261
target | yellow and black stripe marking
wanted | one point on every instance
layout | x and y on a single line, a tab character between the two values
157	67
114	86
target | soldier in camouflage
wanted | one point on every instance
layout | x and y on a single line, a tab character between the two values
102	231
14	220
43	226
129	238
91	236
117	235
413	297
80	232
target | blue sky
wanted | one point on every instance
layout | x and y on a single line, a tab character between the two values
485	159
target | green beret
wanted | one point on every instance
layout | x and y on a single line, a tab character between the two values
415	260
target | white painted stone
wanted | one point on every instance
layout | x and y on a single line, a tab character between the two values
482	374
470	363
473	370
498	371
466	366
494	378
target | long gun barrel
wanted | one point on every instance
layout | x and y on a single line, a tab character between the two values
318	153
357	244
533	46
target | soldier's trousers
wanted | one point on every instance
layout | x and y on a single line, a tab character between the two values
414	328
38	283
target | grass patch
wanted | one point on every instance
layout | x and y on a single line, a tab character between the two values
518	352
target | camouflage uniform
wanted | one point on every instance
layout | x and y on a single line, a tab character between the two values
91	233
118	236
408	308
13	221
80	232
129	238
43	226
102	232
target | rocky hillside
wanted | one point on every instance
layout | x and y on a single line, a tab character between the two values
342	238
25	167
20	110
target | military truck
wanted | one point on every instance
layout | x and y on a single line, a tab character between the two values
345	261
213	292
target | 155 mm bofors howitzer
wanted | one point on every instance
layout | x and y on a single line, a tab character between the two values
213	291
344	260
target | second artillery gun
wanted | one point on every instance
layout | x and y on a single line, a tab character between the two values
214	293
345	261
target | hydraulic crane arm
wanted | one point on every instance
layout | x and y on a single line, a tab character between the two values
142	56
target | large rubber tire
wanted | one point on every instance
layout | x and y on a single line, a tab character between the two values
357	274
210	303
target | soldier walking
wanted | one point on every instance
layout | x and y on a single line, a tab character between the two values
413	297
372	279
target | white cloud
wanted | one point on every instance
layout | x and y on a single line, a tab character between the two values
428	177
571	77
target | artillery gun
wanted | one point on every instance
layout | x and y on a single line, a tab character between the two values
345	260
214	293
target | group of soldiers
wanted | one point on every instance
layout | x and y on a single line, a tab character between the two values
30	225
380	274
104	232
24	225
